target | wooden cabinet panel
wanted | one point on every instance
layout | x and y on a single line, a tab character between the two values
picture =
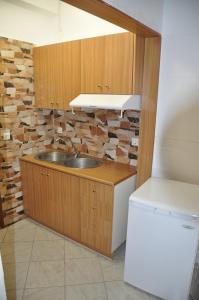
92	65
47	63
42	199
70	73
112	64
40	77
57	74
28	188
96	215
75	74
52	198
119	53
55	199
33	189
71	207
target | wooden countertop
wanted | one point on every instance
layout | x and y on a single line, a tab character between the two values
109	172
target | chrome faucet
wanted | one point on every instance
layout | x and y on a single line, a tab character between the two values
76	154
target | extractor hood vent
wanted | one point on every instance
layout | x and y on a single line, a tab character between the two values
107	101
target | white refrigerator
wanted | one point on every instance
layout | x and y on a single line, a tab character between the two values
162	239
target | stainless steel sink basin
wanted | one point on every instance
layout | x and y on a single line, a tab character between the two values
54	156
69	159
82	163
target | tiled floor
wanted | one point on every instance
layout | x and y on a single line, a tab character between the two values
39	264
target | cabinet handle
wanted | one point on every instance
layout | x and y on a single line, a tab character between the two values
94	191
99	85
45	174
107	86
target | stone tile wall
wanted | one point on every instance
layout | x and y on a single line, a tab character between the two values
100	133
23	130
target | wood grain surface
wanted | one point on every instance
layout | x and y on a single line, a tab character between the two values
108	172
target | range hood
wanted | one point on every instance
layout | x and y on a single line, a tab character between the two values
107	101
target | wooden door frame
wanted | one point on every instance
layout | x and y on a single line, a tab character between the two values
150	76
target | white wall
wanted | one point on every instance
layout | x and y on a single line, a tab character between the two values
51	6
2	282
31	21
27	24
148	12
176	152
78	24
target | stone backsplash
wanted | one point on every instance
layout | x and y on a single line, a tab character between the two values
101	133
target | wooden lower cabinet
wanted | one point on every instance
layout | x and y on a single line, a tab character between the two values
90	212
71	207
43	197
51	198
96	205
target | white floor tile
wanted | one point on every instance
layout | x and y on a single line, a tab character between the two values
14	295
95	291
43	234
82	270
48	250
21	234
45	274
16	252
118	290
15	275
75	251
52	293
112	270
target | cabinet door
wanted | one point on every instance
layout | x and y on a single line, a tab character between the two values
53	182
96	215
92	65
57	74
119	54
54	80
34	187
41	77
47	75
52	198
71	207
71	75
112	64
28	188
43	198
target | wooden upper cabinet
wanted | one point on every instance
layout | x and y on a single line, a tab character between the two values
92	65
57	74
112	64
71	75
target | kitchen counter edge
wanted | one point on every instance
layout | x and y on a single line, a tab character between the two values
109	172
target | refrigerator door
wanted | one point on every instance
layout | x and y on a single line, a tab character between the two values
160	252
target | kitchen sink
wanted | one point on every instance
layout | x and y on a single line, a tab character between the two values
54	156
72	160
82	163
